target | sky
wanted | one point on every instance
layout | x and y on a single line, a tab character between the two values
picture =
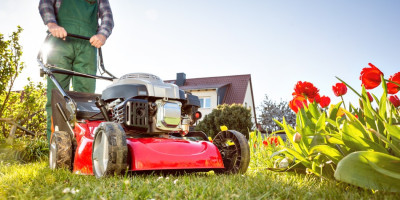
278	42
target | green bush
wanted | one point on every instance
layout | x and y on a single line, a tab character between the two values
24	149
235	117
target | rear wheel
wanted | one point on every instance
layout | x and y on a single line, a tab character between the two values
110	151
234	150
60	154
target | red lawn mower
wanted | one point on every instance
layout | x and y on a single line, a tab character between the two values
138	124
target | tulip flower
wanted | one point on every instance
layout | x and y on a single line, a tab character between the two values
317	99
393	88
339	89
297	103
305	89
370	77
296	137
394	100
370	97
324	101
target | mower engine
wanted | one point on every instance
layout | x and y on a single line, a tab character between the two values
143	103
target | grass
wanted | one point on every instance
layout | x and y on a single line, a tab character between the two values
37	181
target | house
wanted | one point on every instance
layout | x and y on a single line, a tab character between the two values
213	91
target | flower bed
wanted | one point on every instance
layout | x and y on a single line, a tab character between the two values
360	146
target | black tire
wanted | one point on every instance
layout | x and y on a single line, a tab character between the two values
60	154
235	151
110	150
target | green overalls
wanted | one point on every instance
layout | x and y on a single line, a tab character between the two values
77	17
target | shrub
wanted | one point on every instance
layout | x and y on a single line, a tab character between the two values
235	117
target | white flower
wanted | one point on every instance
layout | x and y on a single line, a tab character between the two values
66	190
126	182
74	191
176	180
159	178
167	178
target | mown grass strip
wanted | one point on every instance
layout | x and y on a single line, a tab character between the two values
37	181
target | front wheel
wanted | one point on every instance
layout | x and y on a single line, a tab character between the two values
60	154
110	150
235	151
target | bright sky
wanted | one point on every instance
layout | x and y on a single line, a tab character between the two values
278	42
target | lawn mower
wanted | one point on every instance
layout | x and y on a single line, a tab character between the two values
138	124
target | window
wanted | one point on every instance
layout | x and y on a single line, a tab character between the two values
205	102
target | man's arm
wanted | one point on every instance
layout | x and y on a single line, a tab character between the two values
106	26
46	9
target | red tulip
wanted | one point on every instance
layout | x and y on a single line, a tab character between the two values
394	100
265	143
317	99
297	102
325	101
393	88
305	89
356	116
339	89
370	97
370	77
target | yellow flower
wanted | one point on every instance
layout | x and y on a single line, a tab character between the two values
223	128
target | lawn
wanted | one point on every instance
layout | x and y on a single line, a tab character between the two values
37	181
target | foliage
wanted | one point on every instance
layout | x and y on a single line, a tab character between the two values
37	181
24	150
10	66
25	107
234	116
357	146
271	110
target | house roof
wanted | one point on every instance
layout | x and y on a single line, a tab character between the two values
236	86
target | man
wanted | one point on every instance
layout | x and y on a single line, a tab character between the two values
78	17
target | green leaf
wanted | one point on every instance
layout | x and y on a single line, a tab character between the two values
333	111
368	110
383	103
334	140
356	140
393	130
314	110
329	151
371	170
321	123
298	156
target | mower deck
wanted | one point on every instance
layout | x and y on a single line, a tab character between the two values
152	153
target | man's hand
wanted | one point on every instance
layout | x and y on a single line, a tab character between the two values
98	40
57	31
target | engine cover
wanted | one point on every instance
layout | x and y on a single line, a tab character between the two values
141	84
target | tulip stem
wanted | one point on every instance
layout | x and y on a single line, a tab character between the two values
398	84
344	104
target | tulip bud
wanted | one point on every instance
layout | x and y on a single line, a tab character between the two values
296	137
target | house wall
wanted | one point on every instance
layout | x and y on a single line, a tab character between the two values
212	93
248	102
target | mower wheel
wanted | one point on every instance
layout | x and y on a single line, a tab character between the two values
110	151
235	151
60	154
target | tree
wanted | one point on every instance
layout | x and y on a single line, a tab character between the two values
235	117
25	107
10	66
271	110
